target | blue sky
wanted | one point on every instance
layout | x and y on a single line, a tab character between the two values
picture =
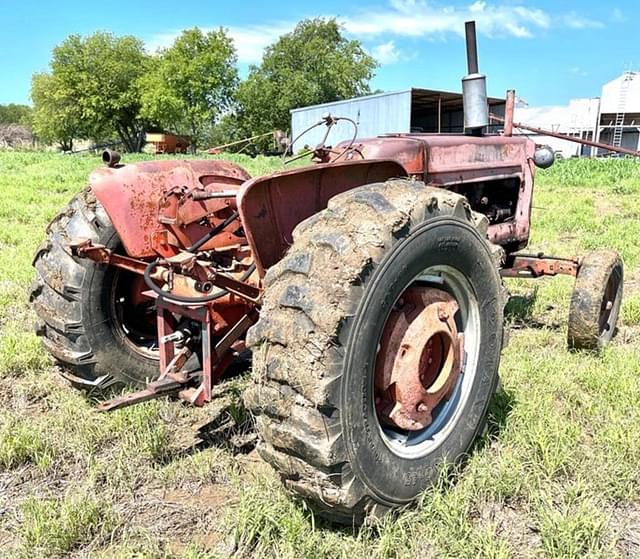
548	50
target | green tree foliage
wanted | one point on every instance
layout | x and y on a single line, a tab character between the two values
99	75
56	117
313	64
191	84
14	113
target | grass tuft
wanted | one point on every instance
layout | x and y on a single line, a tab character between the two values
55	527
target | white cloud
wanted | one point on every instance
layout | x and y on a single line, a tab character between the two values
579	71
386	53
576	21
407	18
249	41
617	15
419	18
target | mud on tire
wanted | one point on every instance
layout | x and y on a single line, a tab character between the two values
325	305
73	299
595	301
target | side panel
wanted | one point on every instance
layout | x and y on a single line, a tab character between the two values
272	206
132	194
452	161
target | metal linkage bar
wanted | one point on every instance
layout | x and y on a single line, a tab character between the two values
538	265
560	136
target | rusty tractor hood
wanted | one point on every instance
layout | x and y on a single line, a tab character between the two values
445	160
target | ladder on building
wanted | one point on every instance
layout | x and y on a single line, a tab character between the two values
622	107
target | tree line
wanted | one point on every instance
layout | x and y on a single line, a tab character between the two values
103	86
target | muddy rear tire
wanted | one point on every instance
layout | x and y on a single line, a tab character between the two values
80	320
595	301
315	345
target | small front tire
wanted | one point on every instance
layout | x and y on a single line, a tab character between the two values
595	301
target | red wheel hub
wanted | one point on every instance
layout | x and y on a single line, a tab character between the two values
419	360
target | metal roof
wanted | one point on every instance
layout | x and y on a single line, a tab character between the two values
423	97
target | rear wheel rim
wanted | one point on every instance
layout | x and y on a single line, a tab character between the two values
419	443
132	315
609	305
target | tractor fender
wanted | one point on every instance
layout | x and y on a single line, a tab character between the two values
131	194
272	206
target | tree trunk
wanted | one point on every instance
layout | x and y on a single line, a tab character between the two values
192	144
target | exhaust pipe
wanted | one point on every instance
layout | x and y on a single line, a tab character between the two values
110	157
474	87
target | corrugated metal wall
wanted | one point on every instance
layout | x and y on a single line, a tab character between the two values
375	114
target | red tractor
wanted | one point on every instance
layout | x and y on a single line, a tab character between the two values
368	287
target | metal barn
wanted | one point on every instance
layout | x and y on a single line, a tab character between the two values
410	110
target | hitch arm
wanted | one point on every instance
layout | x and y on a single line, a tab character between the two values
84	248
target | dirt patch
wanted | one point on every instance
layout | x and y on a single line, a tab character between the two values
625	520
181	517
605	205
512	525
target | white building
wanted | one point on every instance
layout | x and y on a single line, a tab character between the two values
613	118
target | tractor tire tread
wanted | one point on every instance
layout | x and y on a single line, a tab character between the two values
299	342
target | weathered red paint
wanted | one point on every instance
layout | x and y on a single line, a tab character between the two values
451	161
134	196
272	206
538	265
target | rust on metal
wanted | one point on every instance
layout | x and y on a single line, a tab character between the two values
135	195
271	206
509	109
420	358
538	265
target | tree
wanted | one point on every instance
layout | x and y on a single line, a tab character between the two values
98	78
191	84
56	117
14	113
313	64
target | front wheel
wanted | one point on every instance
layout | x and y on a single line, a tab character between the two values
378	347
595	301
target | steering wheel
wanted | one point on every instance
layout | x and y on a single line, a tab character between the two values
321	150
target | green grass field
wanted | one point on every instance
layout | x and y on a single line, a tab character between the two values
557	474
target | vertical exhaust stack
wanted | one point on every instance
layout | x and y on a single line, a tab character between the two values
474	87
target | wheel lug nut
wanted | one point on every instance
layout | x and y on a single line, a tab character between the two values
422	407
443	314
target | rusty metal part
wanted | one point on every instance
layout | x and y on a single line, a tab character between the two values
84	248
272	206
509	109
194	387
420	358
575	139
538	265
452	162
99	253
472	47
164	386
217	149
135	195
